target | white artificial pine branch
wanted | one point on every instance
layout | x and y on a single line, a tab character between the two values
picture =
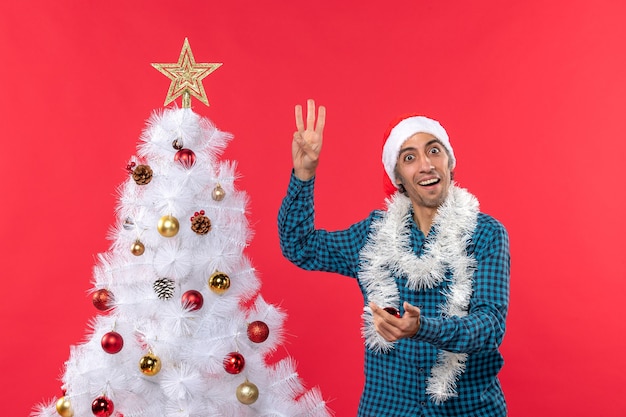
285	380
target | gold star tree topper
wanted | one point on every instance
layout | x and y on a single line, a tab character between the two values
186	76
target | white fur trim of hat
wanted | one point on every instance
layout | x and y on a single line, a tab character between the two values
404	130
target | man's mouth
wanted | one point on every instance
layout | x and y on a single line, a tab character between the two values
431	181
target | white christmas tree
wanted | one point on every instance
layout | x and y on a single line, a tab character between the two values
183	330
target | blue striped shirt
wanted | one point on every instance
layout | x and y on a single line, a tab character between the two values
395	382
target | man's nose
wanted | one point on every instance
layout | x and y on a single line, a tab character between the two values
425	164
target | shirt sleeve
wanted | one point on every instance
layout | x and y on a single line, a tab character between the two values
316	249
484	326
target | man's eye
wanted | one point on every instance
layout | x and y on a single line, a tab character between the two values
435	150
409	157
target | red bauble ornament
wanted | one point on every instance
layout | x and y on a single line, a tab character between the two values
193	300
258	331
112	342
185	157
234	363
102	407
130	167
102	299
393	311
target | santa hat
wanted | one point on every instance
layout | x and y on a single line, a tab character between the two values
398	132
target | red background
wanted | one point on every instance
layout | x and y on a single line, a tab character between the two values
532	94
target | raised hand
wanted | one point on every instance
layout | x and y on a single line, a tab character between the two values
307	140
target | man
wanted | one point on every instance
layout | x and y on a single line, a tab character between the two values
433	270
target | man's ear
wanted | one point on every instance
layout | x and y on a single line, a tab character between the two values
400	184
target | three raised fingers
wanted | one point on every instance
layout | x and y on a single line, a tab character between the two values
310	118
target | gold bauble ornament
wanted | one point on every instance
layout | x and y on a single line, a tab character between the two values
64	407
247	393
137	248
218	193
150	364
168	226
219	282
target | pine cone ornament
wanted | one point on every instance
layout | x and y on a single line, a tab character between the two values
200	223
142	174
164	288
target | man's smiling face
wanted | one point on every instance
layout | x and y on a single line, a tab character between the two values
423	168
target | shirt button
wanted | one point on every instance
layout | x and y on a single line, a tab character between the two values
420	370
423	403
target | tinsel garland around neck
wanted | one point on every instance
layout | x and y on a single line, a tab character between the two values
388	253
